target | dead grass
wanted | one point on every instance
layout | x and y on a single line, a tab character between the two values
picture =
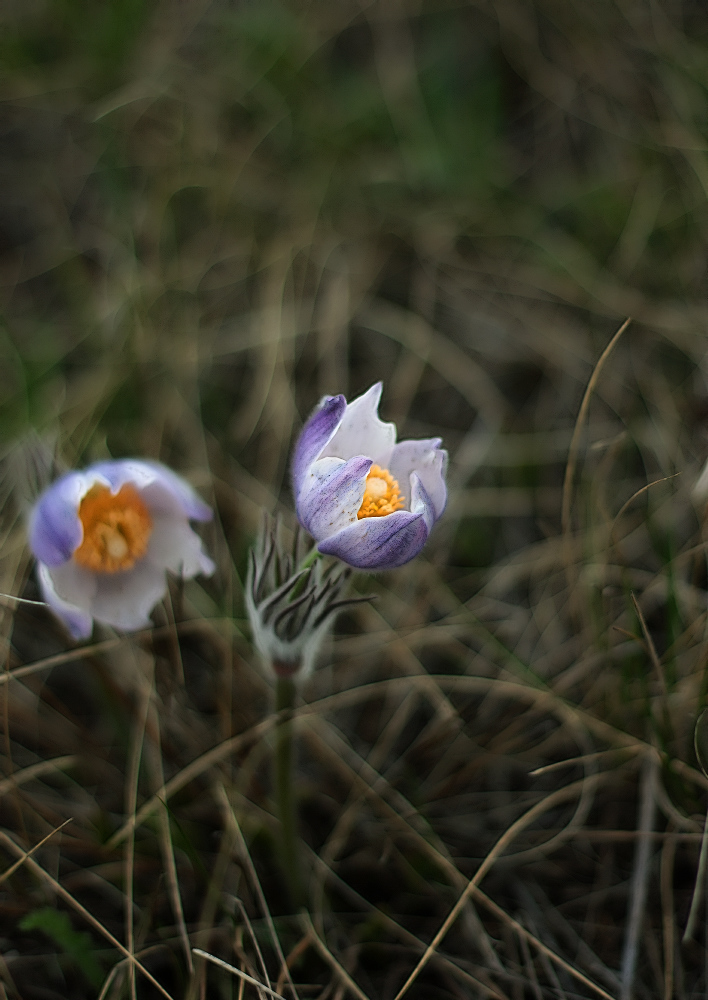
212	215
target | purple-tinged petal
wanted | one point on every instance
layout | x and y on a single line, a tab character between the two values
162	489
421	502
55	530
331	494
125	600
379	542
362	432
315	435
71	609
175	547
428	460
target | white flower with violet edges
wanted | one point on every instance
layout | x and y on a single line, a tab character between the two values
364	498
104	538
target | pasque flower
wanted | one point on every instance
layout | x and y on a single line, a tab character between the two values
364	498
105	537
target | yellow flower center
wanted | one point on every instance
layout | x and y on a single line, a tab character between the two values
117	528
381	494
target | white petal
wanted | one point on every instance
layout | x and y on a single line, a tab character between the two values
74	584
361	432
69	592
428	460
162	489
174	546
125	600
331	494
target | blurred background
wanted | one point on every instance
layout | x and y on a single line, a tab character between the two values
202	202
211	214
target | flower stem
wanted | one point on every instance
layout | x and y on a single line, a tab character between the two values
311	556
306	563
285	787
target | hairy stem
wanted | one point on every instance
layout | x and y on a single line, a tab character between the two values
285	787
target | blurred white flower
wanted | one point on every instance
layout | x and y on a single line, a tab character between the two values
105	537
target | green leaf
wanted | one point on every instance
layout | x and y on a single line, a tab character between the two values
77	945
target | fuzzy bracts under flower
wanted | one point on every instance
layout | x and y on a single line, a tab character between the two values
105	537
291	609
364	498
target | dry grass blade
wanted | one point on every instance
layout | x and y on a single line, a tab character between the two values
539	945
337	968
83	652
81	910
541	698
666	877
405	935
640	875
561	795
635	496
115	971
96	648
651	649
237	972
194	770
36	771
530	969
574	449
236	743
698	889
328	740
131	798
23	600
234	824
445	865
13	867
256	946
168	854
349	811
559	765
338	836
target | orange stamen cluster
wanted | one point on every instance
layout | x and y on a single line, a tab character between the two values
117	528
381	495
